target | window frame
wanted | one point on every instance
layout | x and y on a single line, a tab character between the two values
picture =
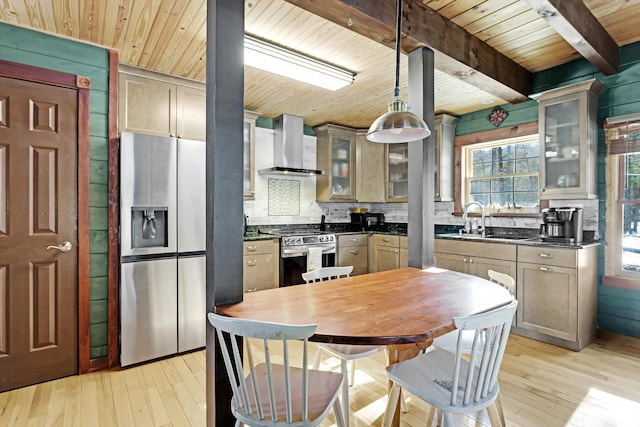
467	164
621	139
523	129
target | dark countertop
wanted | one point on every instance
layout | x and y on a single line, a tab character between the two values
514	240
253	236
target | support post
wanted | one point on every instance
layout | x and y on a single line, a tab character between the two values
421	160
224	158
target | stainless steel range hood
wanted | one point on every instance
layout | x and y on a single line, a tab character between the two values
288	148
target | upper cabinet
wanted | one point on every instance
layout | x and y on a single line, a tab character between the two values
336	155
159	104
249	137
370	183
397	172
569	141
445	133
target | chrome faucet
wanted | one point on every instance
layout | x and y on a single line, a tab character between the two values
466	212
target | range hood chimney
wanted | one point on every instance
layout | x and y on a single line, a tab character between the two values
288	148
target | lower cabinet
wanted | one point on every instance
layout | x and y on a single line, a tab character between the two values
353	250
471	257
556	290
404	251
260	265
385	253
555	287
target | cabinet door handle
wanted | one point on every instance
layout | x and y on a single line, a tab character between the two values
251	290
353	251
543	255
384	239
547	269
252	248
251	262
395	250
465	260
354	240
470	260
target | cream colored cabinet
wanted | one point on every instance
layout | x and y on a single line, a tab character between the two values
473	257
397	172
370	182
336	149
353	250
249	137
385	252
556	290
404	251
159	104
445	132
260	265
567	119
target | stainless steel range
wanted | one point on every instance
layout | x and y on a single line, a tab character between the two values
294	249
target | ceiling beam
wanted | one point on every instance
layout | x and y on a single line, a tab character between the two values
577	25
457	52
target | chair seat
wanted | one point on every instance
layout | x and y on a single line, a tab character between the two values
325	387
429	377
349	351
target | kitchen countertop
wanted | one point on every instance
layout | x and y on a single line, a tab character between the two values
515	240
253	236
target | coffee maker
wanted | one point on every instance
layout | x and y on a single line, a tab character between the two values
562	225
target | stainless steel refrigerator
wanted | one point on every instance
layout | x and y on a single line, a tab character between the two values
162	246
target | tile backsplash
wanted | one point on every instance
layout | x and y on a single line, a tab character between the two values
269	207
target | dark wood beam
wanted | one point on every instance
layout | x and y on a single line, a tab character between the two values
456	52
577	25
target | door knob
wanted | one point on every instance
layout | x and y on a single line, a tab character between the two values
62	247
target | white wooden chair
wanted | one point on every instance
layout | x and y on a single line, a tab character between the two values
449	341
450	383
273	394
344	352
327	273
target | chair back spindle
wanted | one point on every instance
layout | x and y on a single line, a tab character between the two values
267	389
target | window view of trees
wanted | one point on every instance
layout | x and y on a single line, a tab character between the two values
506	175
630	204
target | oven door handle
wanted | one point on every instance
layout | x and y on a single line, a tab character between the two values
303	252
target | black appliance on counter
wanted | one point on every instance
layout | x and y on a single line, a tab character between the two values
562	225
367	221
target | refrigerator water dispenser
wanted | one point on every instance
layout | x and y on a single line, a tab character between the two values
149	227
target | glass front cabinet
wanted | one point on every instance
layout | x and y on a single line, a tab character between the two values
397	172
336	156
249	156
569	141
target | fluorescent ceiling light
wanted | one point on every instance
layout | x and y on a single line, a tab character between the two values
275	59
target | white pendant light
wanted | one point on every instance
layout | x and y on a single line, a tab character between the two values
398	124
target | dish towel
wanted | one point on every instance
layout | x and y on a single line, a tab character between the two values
314	258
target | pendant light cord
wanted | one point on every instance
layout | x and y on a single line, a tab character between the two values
396	91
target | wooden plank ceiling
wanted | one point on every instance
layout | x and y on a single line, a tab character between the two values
485	50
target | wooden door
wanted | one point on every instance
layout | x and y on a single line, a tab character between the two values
38	209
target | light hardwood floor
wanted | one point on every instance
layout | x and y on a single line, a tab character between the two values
542	385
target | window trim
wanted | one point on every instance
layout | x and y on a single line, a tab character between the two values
460	141
467	167
618	142
614	274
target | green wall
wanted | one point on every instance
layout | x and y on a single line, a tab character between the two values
42	50
618	309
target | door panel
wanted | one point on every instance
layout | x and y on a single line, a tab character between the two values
38	209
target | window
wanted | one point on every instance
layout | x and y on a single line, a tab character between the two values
622	254
502	174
